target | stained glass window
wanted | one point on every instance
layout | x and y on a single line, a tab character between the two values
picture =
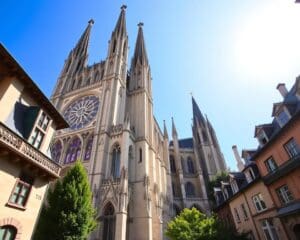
88	148
73	151
56	150
81	112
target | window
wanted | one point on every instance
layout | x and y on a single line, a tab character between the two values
73	151
282	118
190	165
56	150
259	203
244	211
174	190
189	189
262	138
36	138
115	164
43	121
269	230
8	232
292	148
250	176
183	165
237	216
88	149
141	155
21	190
172	164
271	165
234	186
284	194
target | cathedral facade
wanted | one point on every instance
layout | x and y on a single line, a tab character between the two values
139	178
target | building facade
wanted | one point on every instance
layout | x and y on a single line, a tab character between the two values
27	123
139	179
264	195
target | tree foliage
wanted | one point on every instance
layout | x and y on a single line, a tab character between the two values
68	214
194	225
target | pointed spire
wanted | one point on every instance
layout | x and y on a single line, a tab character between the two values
165	131
140	54
174	131
197	113
238	159
120	28
81	48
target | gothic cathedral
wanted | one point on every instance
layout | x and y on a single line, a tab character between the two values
139	179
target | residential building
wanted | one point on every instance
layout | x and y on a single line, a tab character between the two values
139	179
267	185
27	123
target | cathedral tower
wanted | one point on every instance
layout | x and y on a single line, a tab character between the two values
139	179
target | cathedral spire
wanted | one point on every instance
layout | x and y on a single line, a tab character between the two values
120	28
140	54
197	113
174	131
165	131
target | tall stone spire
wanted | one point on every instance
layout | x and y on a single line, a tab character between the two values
174	131
140	54
120	28
197	115
78	57
165	131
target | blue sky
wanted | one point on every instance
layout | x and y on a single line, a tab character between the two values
230	54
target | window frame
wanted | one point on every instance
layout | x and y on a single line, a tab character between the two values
245	213
15	203
267	165
237	215
257	201
270	228
279	119
295	150
283	196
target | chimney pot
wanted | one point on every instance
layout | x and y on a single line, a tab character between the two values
282	89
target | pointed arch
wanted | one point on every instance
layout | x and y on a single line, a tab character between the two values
56	150
109	222
73	150
88	148
189	189
115	161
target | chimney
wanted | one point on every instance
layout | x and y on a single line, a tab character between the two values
238	159
282	89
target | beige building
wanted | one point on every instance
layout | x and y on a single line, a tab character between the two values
139	179
27	123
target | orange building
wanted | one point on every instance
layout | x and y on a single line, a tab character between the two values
264	197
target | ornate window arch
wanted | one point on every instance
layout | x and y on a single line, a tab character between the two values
10	228
189	189
8	232
73	151
88	148
190	165
116	161
109	222
56	150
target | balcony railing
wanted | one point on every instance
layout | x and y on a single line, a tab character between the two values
282	170
18	145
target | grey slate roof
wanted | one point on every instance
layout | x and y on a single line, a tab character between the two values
184	143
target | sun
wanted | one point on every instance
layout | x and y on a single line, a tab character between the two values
269	39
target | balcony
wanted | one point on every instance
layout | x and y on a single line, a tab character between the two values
282	170
11	141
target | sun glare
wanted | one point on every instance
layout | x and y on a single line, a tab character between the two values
269	39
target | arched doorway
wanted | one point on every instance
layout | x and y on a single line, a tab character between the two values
296	230
8	232
109	220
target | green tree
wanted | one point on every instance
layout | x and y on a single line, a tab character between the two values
194	225
216	182
68	214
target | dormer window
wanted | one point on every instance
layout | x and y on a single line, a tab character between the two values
250	176
225	193
262	138
282	118
234	186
